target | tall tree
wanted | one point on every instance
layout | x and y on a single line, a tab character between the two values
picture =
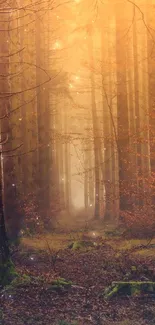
107	116
4	112
122	107
43	116
151	87
96	146
137	111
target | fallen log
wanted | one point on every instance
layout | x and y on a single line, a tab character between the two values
129	288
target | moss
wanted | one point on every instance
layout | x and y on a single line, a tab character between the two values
114	233
19	281
81	244
110	293
14	242
1	315
129	288
7	273
134	290
59	284
78	245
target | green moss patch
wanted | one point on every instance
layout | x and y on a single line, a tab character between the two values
59	284
7	273
76	245
131	288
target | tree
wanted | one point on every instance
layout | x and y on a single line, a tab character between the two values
96	144
137	114
151	93
122	109
109	142
5	263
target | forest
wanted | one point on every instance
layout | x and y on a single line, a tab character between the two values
77	162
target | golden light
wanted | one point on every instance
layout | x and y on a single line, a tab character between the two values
57	45
77	194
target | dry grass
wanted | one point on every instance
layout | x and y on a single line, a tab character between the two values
40	243
61	241
56	241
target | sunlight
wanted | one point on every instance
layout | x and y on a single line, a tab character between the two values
57	45
77	194
77	200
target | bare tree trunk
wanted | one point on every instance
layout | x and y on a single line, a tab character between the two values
86	176
122	109
151	91
43	118
67	158
137	113
4	247
95	129
132	126
106	98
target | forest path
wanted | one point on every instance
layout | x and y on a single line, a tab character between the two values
91	270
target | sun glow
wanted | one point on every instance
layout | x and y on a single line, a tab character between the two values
57	45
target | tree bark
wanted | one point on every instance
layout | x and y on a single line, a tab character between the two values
122	109
95	130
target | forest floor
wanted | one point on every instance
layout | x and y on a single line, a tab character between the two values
91	270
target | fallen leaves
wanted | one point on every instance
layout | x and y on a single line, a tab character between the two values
89	272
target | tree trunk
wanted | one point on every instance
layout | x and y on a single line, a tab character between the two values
4	247
122	109
95	130
151	91
43	118
107	107
137	114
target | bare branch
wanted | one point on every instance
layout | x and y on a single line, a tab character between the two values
5	141
14	149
